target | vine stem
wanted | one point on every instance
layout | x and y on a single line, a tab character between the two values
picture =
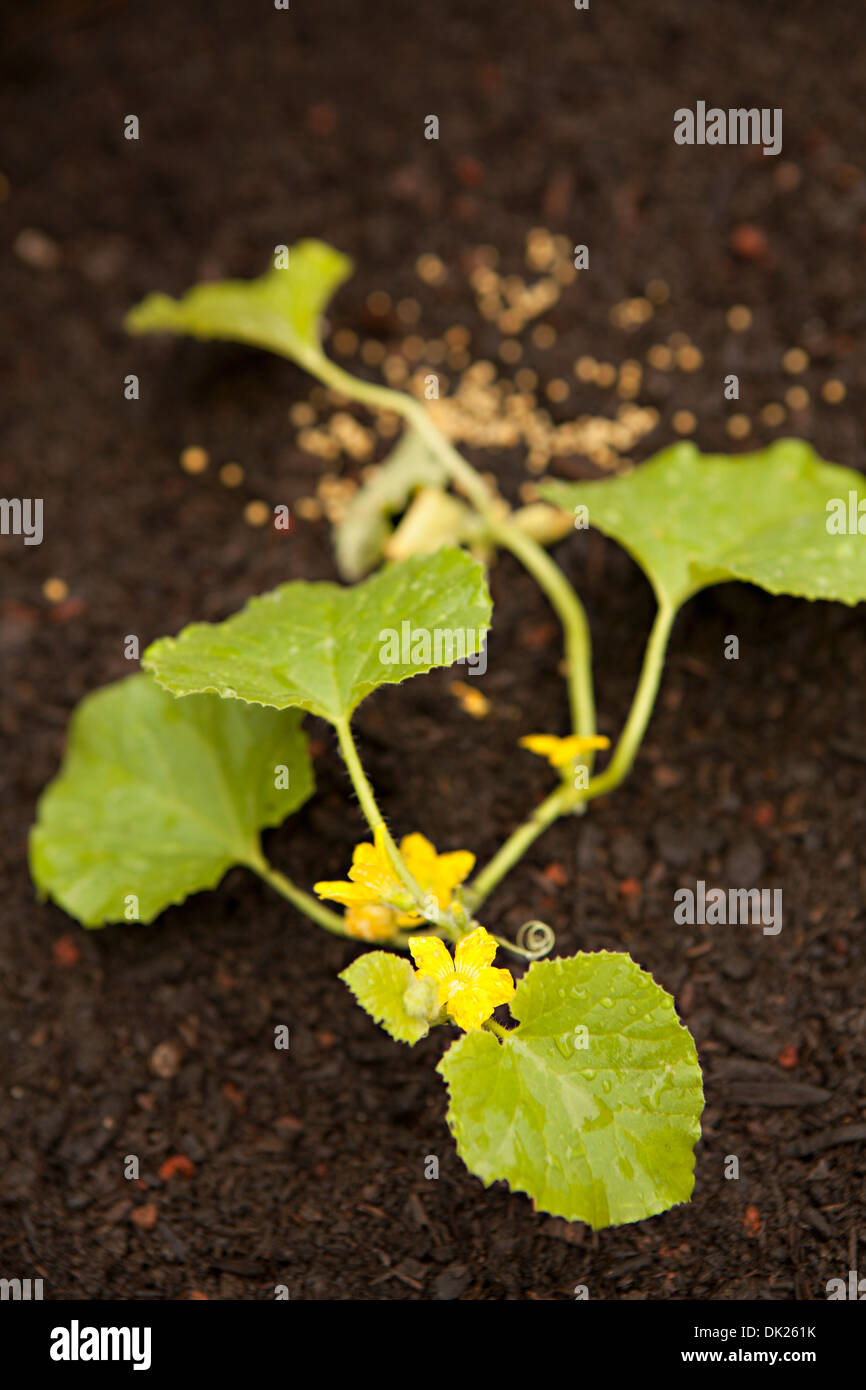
517	844
572	616
566	798
369	806
496	1029
629	742
318	913
304	902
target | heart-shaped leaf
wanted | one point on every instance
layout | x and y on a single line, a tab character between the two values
385	985
324	648
280	311
592	1105
780	518
158	797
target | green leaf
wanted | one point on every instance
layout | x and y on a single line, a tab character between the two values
280	311
380	982
158	797
691	520
602	1133
359	539
324	648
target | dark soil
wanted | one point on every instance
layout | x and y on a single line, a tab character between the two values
259	127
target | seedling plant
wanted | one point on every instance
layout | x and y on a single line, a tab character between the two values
589	1097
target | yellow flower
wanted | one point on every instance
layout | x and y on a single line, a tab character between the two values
559	752
373	879
438	874
371	922
469	988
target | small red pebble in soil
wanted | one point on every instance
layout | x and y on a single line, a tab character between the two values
752	1221
289	1124
316	747
840	945
764	813
537	635
233	1094
788	1057
555	873
196	1296
666	777
321	1170
748	242
630	888
178	1163
18	614
844	344
322	118
66	951
470	172
67	610
490	77
326	1039
144	1217
465	208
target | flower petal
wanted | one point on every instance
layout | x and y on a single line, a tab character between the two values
587	743
542	744
343	892
368	862
410	919
420	856
466	1006
431	956
370	922
497	986
560	751
452	869
371	865
474	952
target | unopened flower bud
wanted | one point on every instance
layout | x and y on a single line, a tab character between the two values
421	998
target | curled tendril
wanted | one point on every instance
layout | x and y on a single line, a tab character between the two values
534	940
